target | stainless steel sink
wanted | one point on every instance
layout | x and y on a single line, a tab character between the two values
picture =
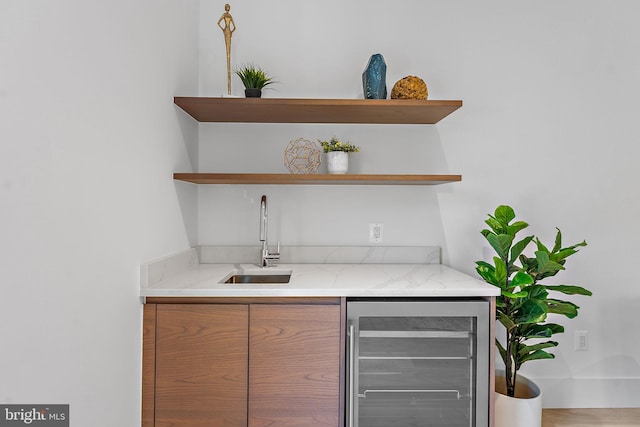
258	277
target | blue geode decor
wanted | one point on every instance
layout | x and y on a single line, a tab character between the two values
374	78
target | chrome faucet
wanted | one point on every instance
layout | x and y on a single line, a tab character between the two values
267	259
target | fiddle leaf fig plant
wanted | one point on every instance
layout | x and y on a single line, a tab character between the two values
525	302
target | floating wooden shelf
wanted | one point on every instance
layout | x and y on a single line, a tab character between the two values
295	110
260	178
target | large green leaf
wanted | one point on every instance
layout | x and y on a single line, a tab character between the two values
558	253
526	349
561	256
536	355
540	330
520	294
558	241
577	245
541	246
563	253
506	321
531	311
501	243
500	272
545	266
554	327
528	264
488	273
518	247
516	227
484	264
538	292
495	225
521	279
565	308
505	214
569	289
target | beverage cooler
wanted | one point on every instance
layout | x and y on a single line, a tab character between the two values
418	363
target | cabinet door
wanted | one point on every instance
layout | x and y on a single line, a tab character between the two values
201	365
294	365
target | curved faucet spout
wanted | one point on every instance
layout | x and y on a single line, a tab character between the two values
266	258
263	219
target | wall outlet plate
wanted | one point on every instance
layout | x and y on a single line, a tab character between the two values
581	341
375	232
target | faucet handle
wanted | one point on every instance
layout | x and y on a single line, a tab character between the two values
273	257
276	254
268	258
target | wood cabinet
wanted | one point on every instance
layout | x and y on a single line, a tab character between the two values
263	362
294	369
201	365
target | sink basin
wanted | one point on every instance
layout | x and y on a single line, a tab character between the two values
258	277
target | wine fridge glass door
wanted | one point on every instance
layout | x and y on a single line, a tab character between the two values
418	363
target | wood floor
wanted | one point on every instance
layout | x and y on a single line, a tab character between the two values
625	417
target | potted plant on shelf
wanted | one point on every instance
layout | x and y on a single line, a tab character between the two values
254	80
522	308
338	155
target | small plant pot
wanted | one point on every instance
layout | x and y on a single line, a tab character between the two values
253	93
337	162
523	410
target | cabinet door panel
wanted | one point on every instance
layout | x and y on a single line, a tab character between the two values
201	365
294	365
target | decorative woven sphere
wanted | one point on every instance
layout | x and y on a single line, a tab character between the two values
410	87
302	156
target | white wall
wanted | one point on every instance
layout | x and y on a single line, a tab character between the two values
89	138
548	126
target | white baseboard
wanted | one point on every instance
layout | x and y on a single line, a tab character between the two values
589	392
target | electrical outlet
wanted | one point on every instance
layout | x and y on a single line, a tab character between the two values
375	233
581	341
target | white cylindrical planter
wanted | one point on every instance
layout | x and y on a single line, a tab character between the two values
337	162
524	410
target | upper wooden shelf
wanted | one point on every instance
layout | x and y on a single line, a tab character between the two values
319	179
295	110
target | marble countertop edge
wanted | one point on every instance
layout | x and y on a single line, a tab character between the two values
324	280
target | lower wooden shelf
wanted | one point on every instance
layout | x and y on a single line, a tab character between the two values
316	179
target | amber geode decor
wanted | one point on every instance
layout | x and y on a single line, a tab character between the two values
302	156
410	87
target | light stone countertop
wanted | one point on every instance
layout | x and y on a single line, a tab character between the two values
189	278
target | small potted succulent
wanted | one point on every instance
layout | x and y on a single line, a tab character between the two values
338	155
254	80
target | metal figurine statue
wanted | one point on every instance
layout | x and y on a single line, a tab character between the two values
228	29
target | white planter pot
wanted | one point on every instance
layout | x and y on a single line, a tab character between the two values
524	410
337	162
